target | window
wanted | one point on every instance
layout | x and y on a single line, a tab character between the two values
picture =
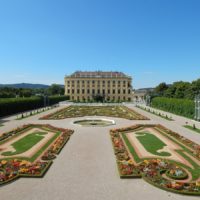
113	91
103	91
72	91
83	91
124	91
68	91
78	91
88	91
124	83
108	91
98	91
129	91
93	91
118	91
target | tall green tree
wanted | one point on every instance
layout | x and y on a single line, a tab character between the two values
55	89
161	88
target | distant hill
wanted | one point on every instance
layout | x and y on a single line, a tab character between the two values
26	85
145	90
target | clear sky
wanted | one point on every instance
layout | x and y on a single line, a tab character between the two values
151	40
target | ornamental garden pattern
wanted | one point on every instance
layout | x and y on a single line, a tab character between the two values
160	156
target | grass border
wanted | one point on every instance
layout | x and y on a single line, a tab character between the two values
196	130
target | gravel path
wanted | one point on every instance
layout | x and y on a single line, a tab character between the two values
86	168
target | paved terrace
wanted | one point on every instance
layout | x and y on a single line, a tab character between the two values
86	168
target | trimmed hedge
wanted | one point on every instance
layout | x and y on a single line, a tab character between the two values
9	106
56	99
183	107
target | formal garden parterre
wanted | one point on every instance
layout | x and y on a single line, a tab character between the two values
109	111
28	151
158	155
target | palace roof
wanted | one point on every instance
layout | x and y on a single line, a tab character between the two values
98	74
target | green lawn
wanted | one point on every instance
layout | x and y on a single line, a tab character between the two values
25	143
151	143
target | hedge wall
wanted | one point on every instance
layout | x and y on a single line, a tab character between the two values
56	99
9	106
183	107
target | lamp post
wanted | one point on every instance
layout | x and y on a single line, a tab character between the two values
148	100
197	107
46	100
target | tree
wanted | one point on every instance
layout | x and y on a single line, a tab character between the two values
55	89
161	88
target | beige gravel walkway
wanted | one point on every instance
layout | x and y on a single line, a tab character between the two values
86	168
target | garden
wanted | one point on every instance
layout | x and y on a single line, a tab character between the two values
160	156
28	151
109	111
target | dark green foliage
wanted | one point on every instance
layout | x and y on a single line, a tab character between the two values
180	89
55	89
182	107
9	106
161	88
12	92
56	99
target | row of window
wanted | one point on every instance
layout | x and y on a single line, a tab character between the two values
93	91
108	98
93	81
98	82
83	86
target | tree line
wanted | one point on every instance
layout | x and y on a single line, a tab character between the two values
177	98
9	92
179	90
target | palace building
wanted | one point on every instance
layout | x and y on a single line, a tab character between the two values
98	86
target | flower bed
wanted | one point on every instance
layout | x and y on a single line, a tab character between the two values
13	168
109	111
160	172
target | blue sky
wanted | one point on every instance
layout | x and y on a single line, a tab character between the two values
151	40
